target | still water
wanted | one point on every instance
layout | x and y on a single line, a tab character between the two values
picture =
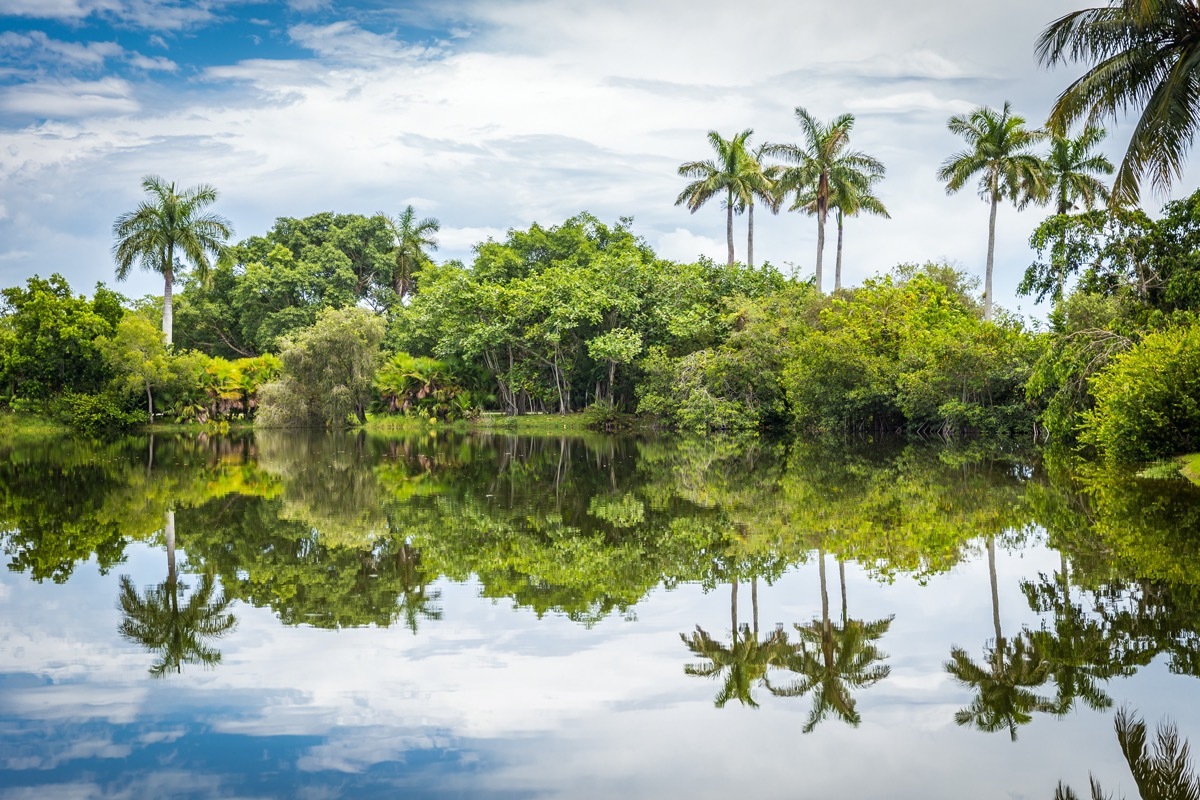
339	616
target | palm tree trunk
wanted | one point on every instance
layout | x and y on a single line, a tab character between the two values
750	235
820	246
824	591
729	225
754	603
991	548
169	535
733	607
842	576
837	271
987	281
168	316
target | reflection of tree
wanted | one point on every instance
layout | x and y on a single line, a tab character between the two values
1075	645
833	659
179	634
1012	669
416	602
744	663
1162	771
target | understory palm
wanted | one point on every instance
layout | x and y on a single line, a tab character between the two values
168	232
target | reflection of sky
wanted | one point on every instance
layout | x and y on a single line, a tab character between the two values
491	701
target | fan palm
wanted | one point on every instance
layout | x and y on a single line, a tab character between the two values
1071	169
824	168
1141	54
998	151
733	173
167	232
412	238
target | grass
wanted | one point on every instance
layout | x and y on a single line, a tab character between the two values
15	427
533	424
1190	467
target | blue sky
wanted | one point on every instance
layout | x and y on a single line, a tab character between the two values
493	114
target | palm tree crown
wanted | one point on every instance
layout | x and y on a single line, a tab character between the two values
1072	167
823	167
412	239
167	228
848	199
1143	54
999	153
733	172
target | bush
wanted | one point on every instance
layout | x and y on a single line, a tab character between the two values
1148	400
95	414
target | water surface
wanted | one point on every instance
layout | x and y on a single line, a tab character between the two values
342	616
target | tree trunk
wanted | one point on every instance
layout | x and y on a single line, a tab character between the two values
729	225
150	403
169	535
820	246
837	270
987	281
733	607
750	236
168	316
825	625
991	548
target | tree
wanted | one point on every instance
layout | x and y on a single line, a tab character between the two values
1142	54
849	199
1072	167
412	238
167	232
328	371
762	185
138	356
998	146
733	172
824	167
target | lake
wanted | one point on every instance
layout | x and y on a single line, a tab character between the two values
319	616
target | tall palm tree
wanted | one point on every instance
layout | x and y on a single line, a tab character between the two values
167	232
731	173
823	166
1141	54
848	199
999	152
761	185
412	238
1071	169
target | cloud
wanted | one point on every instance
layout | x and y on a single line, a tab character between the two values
683	245
152	63
345	42
160	15
70	98
37	45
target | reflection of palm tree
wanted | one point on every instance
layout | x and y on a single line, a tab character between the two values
1076	647
177	634
746	659
1161	773
415	602
1004	698
835	659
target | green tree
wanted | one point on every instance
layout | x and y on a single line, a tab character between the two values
849	198
1071	169
138	356
412	238
823	168
1140	54
167	232
998	151
733	173
328	371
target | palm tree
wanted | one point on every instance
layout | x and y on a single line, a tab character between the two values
1161	772
1141	54
411	239
824	167
731	172
168	231
761	184
1071	169
998	151
848	199
834	659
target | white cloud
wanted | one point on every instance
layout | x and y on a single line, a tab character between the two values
152	63
74	54
69	98
683	245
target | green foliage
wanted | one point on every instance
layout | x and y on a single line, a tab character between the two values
327	372
137	355
1148	400
420	386
48	339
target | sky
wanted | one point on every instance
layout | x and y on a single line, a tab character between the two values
490	115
